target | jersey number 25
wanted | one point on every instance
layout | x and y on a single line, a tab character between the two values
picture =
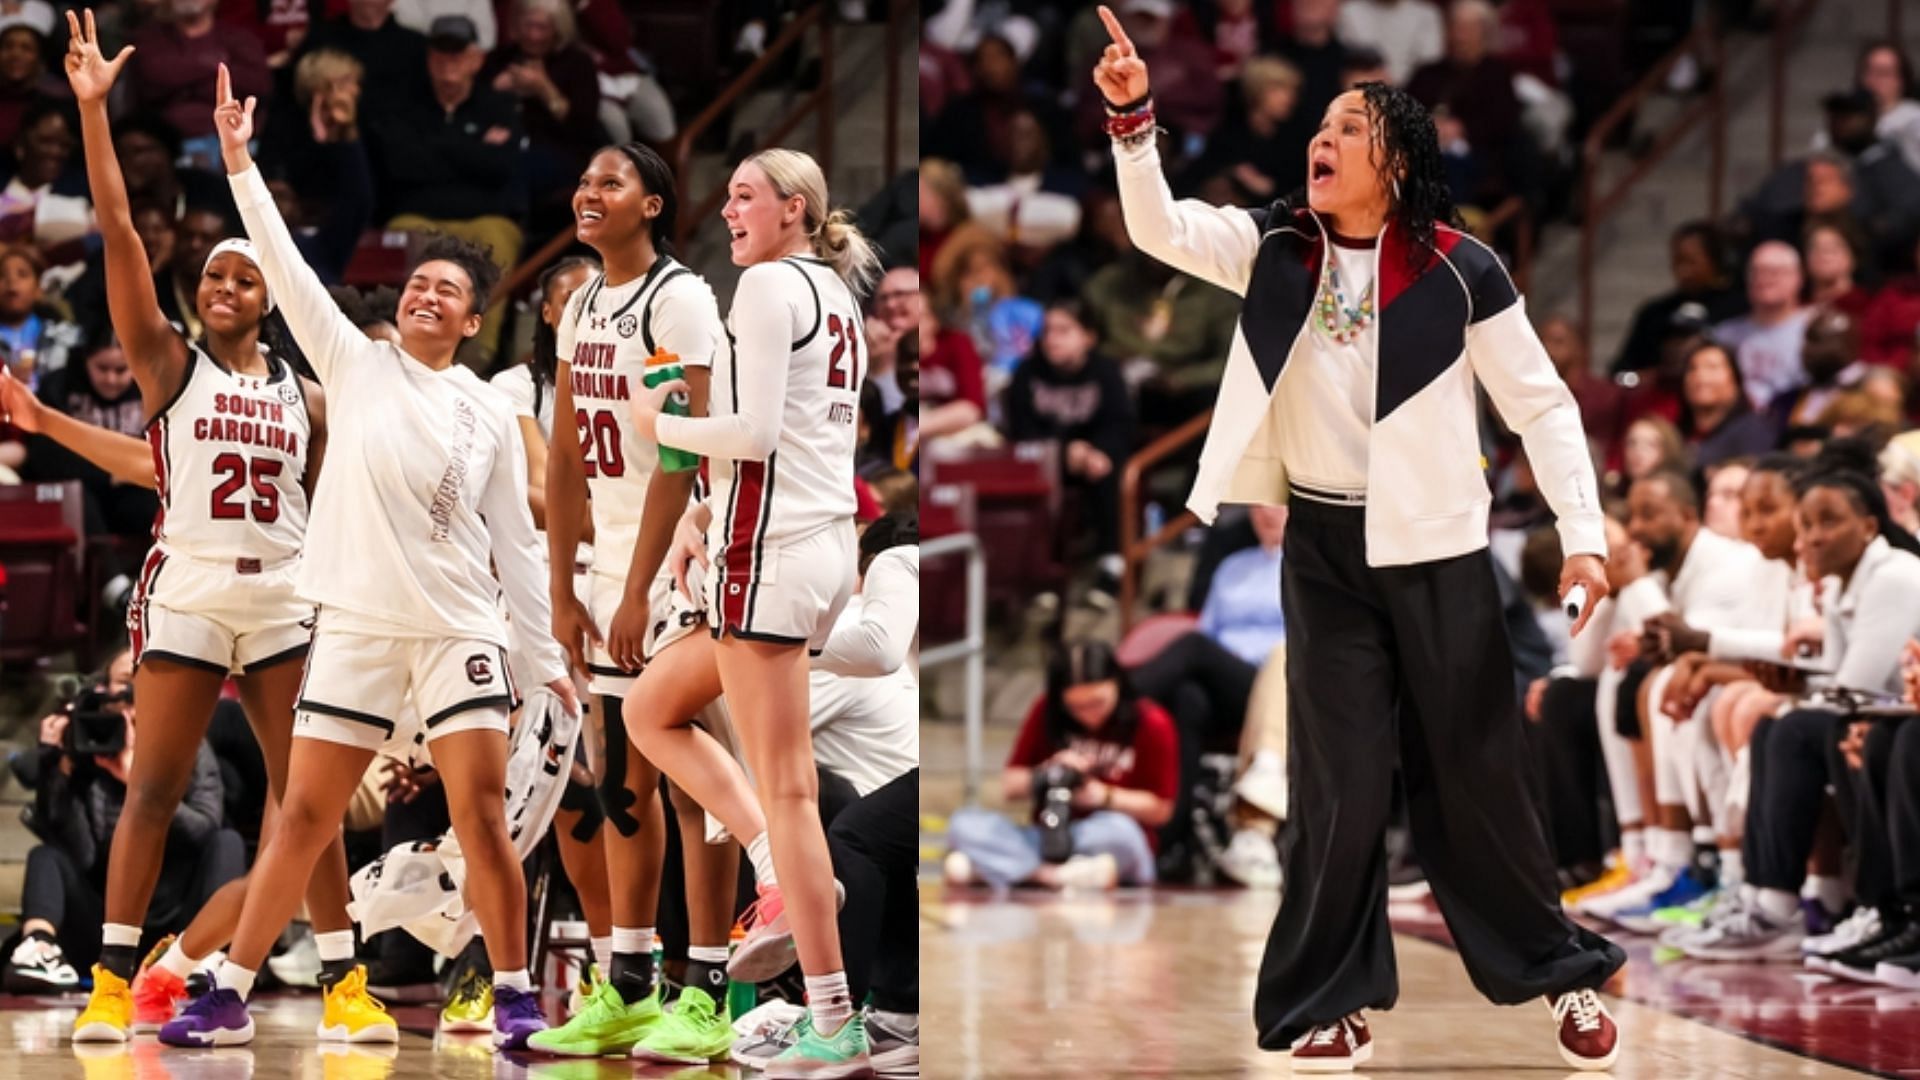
240	472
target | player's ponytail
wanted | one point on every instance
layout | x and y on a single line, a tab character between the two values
834	237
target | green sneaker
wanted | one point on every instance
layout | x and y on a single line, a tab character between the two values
814	1056
606	1027
1690	914
691	1033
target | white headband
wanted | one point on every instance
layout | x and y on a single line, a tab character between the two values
241	246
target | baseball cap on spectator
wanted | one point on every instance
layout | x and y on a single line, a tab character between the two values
1850	102
1159	9
452	33
1689	318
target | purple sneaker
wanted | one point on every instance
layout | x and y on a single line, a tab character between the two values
516	1017
215	1018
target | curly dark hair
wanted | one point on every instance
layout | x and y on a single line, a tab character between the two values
1412	146
475	259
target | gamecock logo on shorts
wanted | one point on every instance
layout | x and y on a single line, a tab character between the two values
479	669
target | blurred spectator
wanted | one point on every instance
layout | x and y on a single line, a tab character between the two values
1887	388
322	177
943	208
1408	34
1697	258
554	79
1833	260
895	317
1830	353
1888	327
393	57
1721	512
147	147
1187	92
176	62
1652	445
1259	151
1477	87
1528	41
1066	268
98	391
975	284
892	443
24	78
45	202
1900	483
1363	65
36	338
1602	402
976	127
422	14
1169	331
633	104
1857	174
194	234
36	14
1068	392
280	25
1313	48
1238	30
1717	416
952	384
1034	203
1884	73
452	163
86	295
1766	341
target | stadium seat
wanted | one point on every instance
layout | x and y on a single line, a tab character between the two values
379	259
1146	640
1017	510
41	541
945	510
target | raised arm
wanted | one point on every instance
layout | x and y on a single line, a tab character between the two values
154	350
128	459
324	333
1213	243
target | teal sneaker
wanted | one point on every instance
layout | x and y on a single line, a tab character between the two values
814	1056
605	1027
693	1032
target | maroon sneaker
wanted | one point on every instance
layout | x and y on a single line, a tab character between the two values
1335	1047
1589	1039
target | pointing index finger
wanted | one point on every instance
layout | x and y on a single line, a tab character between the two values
1116	31
223	86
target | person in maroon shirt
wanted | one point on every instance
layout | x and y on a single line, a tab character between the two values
1475	86
1116	752
542	64
1602	401
1887	328
953	389
175	64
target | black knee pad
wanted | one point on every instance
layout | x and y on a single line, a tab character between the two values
617	797
584	800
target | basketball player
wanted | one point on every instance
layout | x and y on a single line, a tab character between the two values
427	488
779	523
645	303
236	445
1349	393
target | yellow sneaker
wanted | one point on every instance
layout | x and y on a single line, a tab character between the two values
469	1008
1617	876
355	1016
108	1016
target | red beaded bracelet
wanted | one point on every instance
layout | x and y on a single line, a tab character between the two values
1127	125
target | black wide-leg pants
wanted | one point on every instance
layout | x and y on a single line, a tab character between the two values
1407	664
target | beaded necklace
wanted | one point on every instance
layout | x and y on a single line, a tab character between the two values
1341	321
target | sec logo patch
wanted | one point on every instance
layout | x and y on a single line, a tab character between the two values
627	325
479	669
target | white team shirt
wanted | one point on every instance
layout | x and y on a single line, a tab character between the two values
780	437
603	341
1324	404
426	486
536	404
229	458
864	690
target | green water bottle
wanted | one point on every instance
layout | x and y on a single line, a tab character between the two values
664	366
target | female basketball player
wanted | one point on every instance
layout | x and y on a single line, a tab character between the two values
427	489
645	304
780	526
1350	388
236	442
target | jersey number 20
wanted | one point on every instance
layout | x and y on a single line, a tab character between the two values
600	442
240	472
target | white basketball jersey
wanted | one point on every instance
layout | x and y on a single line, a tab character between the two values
605	338
229	455
806	484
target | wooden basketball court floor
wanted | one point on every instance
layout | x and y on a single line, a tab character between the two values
1147	983
34	1046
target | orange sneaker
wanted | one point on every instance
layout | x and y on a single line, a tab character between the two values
767	948
1618	876
157	994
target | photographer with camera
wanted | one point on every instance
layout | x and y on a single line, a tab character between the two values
1102	766
79	774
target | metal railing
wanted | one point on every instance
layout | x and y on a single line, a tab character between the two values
820	101
1134	548
1597	207
971	650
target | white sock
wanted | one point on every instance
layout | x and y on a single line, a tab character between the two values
603	953
1633	848
829	1000
516	979
1776	904
634	941
760	853
177	961
121	934
1733	868
707	954
334	945
233	977
1830	891
1671	848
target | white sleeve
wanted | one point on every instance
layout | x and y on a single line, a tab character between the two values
1737	643
764	315
880	639
564	333
323	333
516	385
686	323
1213	243
1883	622
517	551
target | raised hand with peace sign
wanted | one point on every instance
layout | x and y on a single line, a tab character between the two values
1121	75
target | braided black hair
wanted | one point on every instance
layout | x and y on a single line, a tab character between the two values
545	361
1413	163
1863	491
